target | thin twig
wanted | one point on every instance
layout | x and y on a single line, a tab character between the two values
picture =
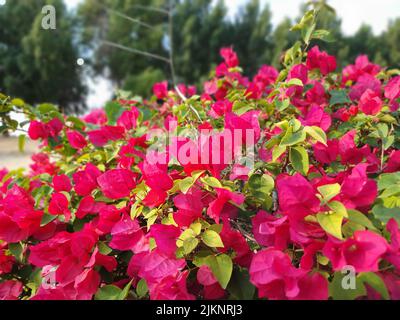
136	51
122	15
150	8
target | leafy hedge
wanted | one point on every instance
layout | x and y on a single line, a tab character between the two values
109	211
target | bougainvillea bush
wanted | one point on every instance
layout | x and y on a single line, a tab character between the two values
137	200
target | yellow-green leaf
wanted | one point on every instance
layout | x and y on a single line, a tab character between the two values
331	223
212	239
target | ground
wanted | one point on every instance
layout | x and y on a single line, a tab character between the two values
11	158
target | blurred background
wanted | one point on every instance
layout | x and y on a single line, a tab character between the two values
101	45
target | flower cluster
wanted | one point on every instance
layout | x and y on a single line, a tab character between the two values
109	211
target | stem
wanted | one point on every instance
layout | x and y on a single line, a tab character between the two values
136	51
171	42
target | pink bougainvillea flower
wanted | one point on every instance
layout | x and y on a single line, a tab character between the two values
171	288
297	197
272	272
270	231
234	240
266	76
393	163
128	119
230	57
370	103
246	124
108	216
357	190
317	117
220	108
392	89
100	137
364	83
76	140
393	254
96	117
221	206
117	183
190	207
88	206
154	266
361	67
42	164
127	235
300	72
98	259
59	206
321	60
6	262
165	237
212	289
10	290
316	95
37	130
313	287
326	154
160	90
18	217
348	151
86	180
62	183
363	251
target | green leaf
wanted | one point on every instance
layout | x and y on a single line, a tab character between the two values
329	191
291	139
323	35
212	182
142	288
299	159
317	134
124	293
277	152
196	227
113	111
337	292
261	185
16	250
21	143
338	208
212	239
331	223
221	267
294	82
388	180
338	97
384	214
46	219
361	219
240	286
186	184
190	244
108	292
375	282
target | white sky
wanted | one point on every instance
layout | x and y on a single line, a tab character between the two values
352	12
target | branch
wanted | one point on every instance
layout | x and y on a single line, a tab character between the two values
135	51
122	15
150	8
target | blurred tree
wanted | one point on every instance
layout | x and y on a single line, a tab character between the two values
40	65
391	46
108	26
200	30
252	36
